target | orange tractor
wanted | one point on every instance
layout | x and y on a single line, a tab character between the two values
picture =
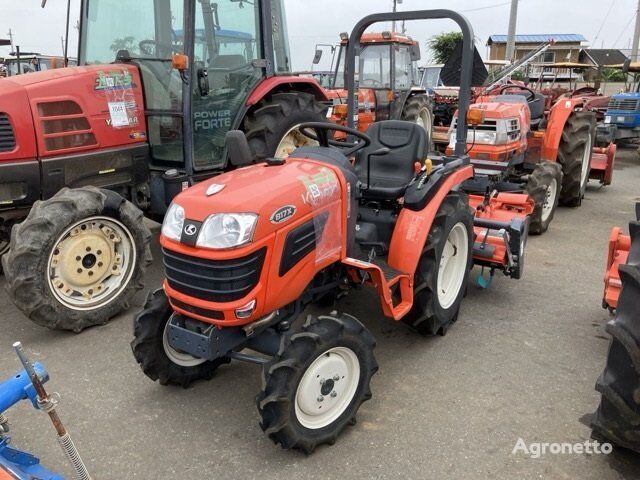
618	415
518	146
369	211
389	82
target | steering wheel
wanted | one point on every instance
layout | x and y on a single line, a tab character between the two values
531	94
584	91
319	131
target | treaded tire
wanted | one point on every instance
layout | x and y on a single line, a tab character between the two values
578	133
4	249
274	116
281	376
427	315
148	350
618	415
539	181
412	108
26	264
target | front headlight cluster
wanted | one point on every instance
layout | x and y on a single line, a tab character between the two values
506	130
219	231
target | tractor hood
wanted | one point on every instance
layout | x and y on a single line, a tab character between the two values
278	194
626	96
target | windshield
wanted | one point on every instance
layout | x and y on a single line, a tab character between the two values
375	67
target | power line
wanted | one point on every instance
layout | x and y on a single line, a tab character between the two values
604	20
485	8
624	30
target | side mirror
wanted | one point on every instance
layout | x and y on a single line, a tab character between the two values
179	62
238	148
317	57
414	52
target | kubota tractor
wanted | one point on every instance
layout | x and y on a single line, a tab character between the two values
618	415
518	147
244	253
389	82
86	152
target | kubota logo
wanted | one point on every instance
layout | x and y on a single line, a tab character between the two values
190	229
283	214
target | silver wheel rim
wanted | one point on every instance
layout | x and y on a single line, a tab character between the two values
424	119
453	265
291	140
586	161
176	356
549	200
327	388
91	263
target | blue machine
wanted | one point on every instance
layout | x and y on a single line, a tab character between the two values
622	118
14	463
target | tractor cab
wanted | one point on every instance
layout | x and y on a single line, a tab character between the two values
390	83
229	52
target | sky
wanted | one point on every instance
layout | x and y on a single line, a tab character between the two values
605	23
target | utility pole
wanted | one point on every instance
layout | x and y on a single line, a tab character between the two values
11	39
511	38
636	36
395	9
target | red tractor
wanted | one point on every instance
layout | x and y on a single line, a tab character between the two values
618	416
86	152
368	211
518	146
389	82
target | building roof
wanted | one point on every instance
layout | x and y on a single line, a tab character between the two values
602	56
540	38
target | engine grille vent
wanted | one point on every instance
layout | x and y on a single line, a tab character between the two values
7	136
623	104
64	126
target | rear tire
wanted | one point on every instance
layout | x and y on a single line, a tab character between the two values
544	188
574	154
419	110
152	352
618	415
276	117
327	365
433	312
78	258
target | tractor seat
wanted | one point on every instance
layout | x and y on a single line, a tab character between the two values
390	173
536	106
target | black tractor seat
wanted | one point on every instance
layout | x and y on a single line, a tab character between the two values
386	176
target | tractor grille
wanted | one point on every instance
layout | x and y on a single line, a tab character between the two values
623	104
7	137
213	280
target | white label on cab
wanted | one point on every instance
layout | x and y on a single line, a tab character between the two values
118	113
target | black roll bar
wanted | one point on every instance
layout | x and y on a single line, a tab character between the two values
353	50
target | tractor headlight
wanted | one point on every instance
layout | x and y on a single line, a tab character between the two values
607	119
227	230
173	222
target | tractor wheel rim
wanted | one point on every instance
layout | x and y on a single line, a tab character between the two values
453	265
327	388
177	356
424	120
291	140
549	200
586	161
91	263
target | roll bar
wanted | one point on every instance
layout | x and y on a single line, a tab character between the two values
354	47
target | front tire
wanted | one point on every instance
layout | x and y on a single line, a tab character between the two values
442	274
574	154
313	388
151	349
77	259
544	188
271	127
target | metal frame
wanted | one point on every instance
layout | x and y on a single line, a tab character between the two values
354	47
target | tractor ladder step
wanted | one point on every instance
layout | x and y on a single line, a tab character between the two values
384	278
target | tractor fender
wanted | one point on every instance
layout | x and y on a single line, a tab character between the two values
286	84
558	117
412	228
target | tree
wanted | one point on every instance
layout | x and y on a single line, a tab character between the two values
443	45
126	43
613	75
